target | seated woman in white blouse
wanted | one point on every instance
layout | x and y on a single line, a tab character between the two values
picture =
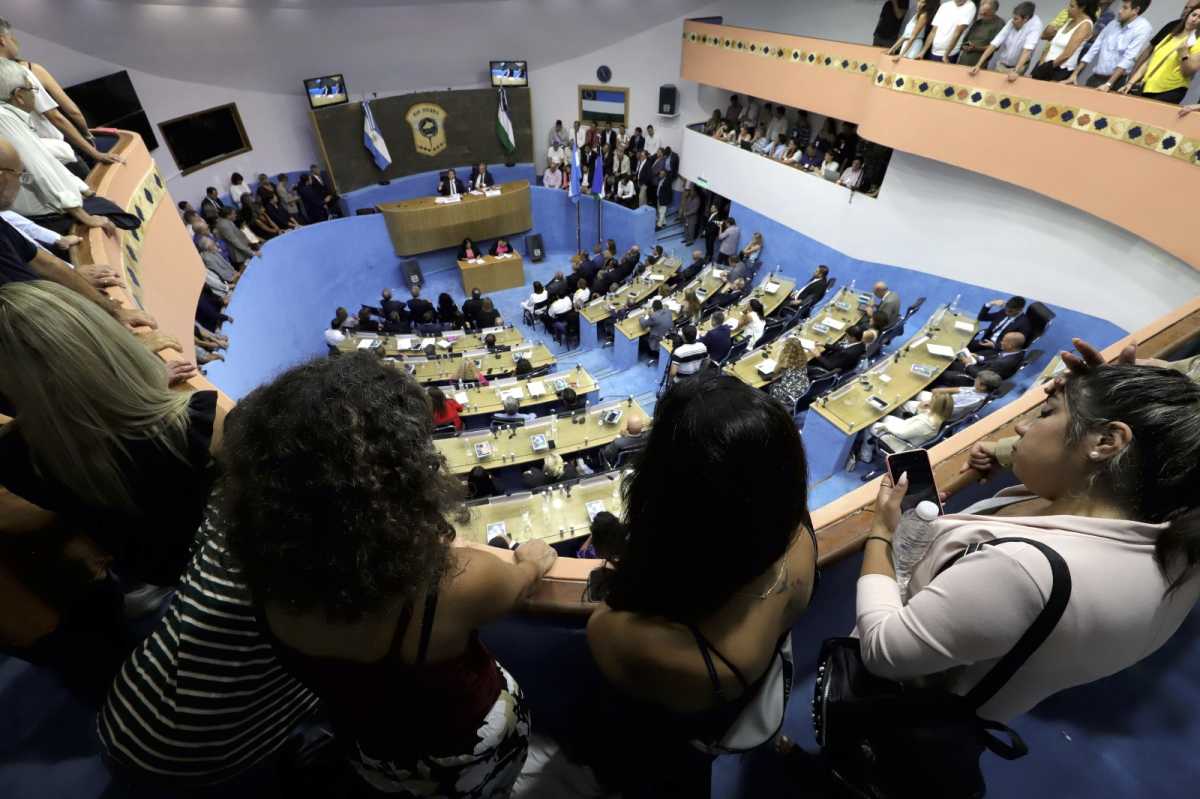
539	295
1111	473
754	323
915	431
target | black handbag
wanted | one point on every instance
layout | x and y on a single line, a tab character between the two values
886	740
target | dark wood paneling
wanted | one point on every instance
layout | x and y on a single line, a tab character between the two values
470	130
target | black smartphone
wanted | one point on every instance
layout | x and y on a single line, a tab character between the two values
921	486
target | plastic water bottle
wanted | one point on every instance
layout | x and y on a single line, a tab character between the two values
852	282
954	304
911	540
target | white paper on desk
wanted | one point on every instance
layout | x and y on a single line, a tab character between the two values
443	344
515	393
655	276
830	322
940	350
366	344
425	342
672	305
404	343
460	397
919	341
767	366
884	378
965	327
446	200
808	344
492	193
537	388
771	288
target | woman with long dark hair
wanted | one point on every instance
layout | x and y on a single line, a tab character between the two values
719	562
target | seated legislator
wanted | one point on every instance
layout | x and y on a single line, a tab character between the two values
501	247
1002	316
445	409
418	306
790	382
481	178
472	306
967	399
1005	362
128	461
632	440
376	616
511	415
846	354
1128	541
450	186
719	339
448	313
686	634
811	292
689	357
489	316
467	251
553	470
690	271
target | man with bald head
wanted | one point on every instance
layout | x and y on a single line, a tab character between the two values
633	440
1006	362
884	311
21	260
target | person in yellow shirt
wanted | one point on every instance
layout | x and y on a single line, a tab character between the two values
1165	75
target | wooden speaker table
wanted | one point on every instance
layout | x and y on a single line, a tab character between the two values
425	224
492	273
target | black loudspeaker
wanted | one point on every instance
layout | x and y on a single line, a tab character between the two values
668	101
534	249
411	269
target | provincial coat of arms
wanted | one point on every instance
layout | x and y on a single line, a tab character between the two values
428	121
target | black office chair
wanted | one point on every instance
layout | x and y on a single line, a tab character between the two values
1040	316
820	385
530	317
445	431
624	457
735	352
773	329
1029	357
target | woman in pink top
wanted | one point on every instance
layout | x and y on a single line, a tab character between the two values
1111	473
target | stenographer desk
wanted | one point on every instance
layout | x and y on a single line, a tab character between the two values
835	420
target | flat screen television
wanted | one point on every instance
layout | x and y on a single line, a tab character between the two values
112	102
205	137
510	73
326	91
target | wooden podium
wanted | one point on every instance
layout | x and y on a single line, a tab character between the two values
492	273
425	224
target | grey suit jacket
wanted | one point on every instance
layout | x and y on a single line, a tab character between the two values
657	324
888	310
235	238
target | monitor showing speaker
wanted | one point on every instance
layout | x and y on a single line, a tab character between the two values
668	101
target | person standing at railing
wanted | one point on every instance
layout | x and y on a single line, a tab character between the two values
980	34
950	22
912	43
887	30
1066	46
1116	48
1166	74
1015	43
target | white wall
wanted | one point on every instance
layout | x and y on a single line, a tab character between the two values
947	221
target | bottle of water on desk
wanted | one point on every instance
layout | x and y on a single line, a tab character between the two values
910	542
954	304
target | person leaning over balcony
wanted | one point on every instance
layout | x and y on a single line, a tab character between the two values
977	38
1062	56
949	24
1169	69
1015	43
1116	48
912	42
887	30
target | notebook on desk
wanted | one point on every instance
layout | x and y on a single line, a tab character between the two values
965	327
767	367
536	388
832	323
940	350
461	397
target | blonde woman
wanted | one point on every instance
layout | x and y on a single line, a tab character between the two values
98	436
554	469
468	372
753	251
916	431
791	374
689	311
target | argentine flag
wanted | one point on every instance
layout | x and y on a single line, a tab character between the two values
576	173
373	139
504	128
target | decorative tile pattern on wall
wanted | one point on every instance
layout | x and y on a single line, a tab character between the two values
142	204
799	57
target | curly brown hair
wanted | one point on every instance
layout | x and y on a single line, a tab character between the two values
333	495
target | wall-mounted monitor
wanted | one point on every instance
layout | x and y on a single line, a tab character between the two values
326	91
112	102
510	73
205	137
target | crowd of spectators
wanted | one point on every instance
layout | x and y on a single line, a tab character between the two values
832	150
1109	40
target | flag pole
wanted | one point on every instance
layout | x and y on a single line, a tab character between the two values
599	220
578	233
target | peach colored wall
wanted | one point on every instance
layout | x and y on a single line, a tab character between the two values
1127	185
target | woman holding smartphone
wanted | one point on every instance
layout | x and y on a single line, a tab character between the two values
1111	482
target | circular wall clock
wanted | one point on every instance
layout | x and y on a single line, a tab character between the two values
603	74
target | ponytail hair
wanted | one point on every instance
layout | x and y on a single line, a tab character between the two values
1156	477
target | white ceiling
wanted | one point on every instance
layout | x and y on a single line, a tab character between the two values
272	45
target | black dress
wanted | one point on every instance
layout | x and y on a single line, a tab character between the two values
152	543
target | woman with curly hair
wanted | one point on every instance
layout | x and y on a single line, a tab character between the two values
335	507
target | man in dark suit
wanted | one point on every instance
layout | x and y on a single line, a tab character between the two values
885	309
598	257
812	291
643	175
712	229
389	306
1002	317
663	195
322	182
628	264
450	185
671	160
604	280
473	306
211	205
689	272
637	142
1005	362
846	355
719	340
632	441
481	178
417	306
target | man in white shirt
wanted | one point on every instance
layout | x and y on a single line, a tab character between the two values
967	399
558	135
557	154
50	189
552	178
852	177
778	124
1015	43
949	24
652	142
561	305
1117	48
37	234
830	169
580	134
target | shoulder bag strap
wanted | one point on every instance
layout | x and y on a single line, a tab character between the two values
1038	632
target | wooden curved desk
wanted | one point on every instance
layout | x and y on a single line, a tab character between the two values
493	364
410	344
771	302
424	224
530	392
635	293
550	515
707	283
